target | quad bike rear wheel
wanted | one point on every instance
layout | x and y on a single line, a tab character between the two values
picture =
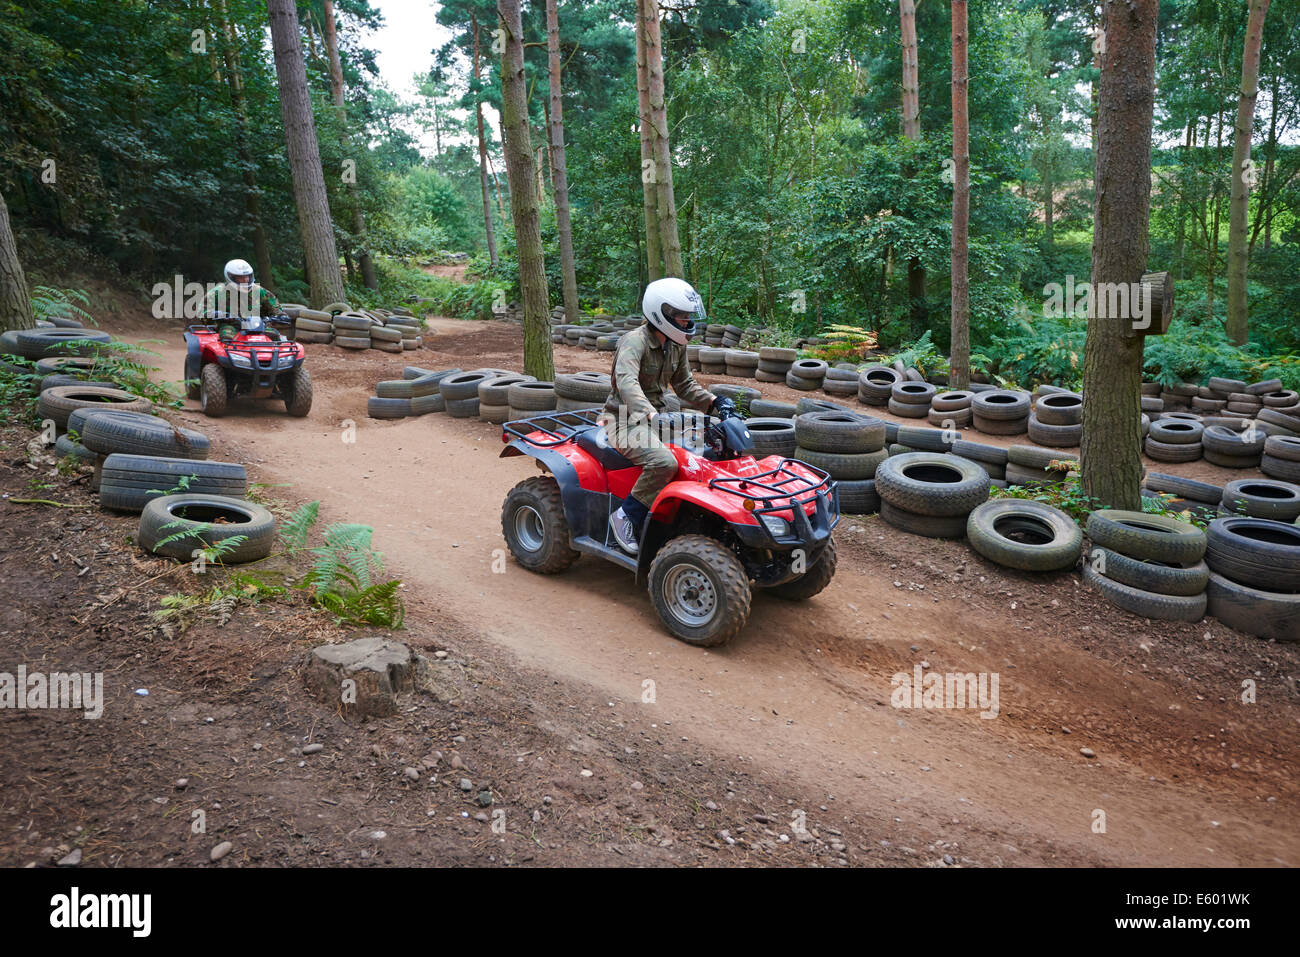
811	582
534	526
213	392
699	590
297	392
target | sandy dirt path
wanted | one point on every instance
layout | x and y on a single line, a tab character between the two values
1184	772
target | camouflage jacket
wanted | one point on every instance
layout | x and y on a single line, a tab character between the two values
225	298
643	369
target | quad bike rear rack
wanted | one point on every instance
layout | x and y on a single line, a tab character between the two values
563	427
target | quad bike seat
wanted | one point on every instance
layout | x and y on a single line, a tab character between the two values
596	442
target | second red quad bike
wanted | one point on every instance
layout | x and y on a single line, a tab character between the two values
235	357
728	523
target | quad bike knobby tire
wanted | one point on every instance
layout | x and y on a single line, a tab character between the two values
297	392
534	526
812	581
213	391
699	590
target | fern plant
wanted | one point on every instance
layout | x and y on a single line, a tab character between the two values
293	533
211	553
342	576
50	302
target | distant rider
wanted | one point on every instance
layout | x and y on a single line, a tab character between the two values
235	299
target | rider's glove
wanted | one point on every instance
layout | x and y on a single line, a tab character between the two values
723	408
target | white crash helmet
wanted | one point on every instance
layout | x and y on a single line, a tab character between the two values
679	296
237	268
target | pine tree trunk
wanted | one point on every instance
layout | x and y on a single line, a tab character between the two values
912	131
336	89
1112	365
488	227
1212	260
304	157
559	170
522	176
1239	203
15	303
649	185
669	243
252	199
959	366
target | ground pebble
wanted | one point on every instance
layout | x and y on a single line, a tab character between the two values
466	784
221	850
313	748
1087	752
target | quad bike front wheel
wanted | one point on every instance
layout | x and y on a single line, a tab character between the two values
297	392
700	590
534	526
213	392
811	582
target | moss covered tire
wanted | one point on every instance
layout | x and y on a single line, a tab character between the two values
205	520
1155	537
1146	604
1264	614
811	582
699	590
298	392
535	528
1031	536
932	483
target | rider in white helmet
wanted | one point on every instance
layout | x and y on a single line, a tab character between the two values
236	299
649	360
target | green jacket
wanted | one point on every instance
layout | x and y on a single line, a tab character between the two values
643	369
268	304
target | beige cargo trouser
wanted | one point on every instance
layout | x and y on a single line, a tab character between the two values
640	445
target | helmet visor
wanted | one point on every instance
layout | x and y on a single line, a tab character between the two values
682	319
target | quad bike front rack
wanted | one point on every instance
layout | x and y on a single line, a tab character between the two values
781	489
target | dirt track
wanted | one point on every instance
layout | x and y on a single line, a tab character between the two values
1185	772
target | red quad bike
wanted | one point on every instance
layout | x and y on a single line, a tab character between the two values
250	363
726	524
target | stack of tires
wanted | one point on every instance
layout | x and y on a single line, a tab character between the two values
740	363
1254	576
1149	565
731	336
581	390
841	380
1057	420
416	393
847	446
57	403
1174	440
494	397
407	328
1281	458
693	356
713	361
352	330
930	493
459	392
1030	465
714	334
1282	420
530	398
1261	498
1024	534
950	410
1180	396
773	435
1226	447
1150	400
1001	412
910	399
130	482
1200	497
774	363
104	432
876	384
806	375
312	326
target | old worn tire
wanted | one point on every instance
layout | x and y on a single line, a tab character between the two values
463	385
1263	498
858	496
497	391
1283	470
699	590
1054	436
590	387
1146	604
1032	457
424	404
1019	533
1002	405
61	401
214	391
1264	614
108	431
532	396
1162	578
931	483
771	409
166	516
862	465
378	408
463	408
1155	537
1059	408
1190	489
1159	451
811	582
931	526
979	452
999	426
1175	431
129	482
352	342
1256	551
65	447
43	343
1223	440
839	432
535	527
772	436
907	392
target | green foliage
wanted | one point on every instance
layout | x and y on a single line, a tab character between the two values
181	611
294	532
49	302
342	579
921	355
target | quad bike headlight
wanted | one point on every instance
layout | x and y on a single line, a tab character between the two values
240	360
777	526
284	362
